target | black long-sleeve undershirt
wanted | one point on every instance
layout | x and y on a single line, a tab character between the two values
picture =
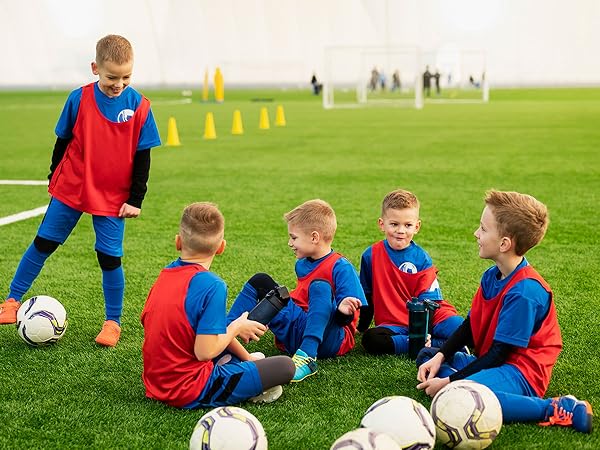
495	356
139	173
366	314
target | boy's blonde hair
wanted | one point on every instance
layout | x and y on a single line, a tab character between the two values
314	215
113	48
202	228
518	216
399	199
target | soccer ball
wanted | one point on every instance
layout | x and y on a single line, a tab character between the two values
228	427
41	320
364	439
404	419
467	415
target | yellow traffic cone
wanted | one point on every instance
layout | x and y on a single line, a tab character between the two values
263	122
205	87
219	86
237	127
280	117
209	127
172	134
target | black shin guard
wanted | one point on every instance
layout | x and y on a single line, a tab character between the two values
378	341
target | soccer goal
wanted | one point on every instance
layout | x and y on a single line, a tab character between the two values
455	76
367	76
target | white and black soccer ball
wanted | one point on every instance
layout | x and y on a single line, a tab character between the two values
364	439
228	428
467	415
404	419
41	320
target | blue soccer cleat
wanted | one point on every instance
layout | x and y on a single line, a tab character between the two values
567	411
305	366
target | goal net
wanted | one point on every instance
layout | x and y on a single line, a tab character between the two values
456	76
364	76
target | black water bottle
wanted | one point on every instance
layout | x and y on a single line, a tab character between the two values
268	307
419	313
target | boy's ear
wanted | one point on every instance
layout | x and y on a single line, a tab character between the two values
221	248
506	244
94	68
417	226
315	237
178	242
380	223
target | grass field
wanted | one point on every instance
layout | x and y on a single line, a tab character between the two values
543	142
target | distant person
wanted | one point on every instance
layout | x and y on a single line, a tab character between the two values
320	319
427	81
512	324
316	86
392	272
374	79
191	357
382	80
436	77
100	166
472	82
396	81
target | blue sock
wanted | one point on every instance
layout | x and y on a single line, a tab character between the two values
400	343
310	346
521	408
29	268
113	285
245	301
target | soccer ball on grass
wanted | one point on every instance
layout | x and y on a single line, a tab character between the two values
467	415
404	419
364	439
41	320
228	427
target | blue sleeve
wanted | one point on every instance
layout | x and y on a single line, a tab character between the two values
66	121
205	304
149	136
346	282
525	306
366	274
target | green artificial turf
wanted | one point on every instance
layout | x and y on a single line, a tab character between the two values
540	141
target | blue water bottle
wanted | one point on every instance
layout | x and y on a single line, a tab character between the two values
269	306
418	324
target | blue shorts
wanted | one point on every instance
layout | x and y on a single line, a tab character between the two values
60	219
229	384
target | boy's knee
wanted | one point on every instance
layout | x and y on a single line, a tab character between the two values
108	262
378	341
320	288
262	283
425	354
44	245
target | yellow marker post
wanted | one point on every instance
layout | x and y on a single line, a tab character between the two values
209	127
219	86
172	134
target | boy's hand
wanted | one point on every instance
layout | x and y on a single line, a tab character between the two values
249	330
349	305
128	211
429	369
433	385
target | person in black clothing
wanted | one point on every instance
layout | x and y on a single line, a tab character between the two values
427	81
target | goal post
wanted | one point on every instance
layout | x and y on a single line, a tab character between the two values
372	75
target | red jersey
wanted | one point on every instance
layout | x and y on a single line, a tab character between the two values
173	374
535	361
95	173
393	288
324	271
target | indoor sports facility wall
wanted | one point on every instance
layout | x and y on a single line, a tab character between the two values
50	43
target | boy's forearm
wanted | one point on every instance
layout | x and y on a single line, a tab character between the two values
237	349
139	178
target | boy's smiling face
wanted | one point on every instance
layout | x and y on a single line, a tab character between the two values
113	78
399	226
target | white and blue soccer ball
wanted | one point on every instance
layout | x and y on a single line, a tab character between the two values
467	415
404	419
41	320
364	439
228	428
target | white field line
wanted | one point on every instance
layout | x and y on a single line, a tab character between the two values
24	214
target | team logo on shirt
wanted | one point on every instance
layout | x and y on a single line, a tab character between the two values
125	115
408	267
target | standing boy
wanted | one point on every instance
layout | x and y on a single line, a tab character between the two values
185	332
100	166
512	323
320	321
392	272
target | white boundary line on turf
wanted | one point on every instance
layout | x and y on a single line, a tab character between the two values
24	214
25	182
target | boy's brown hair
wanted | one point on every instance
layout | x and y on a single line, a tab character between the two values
399	199
314	215
202	228
113	48
518	216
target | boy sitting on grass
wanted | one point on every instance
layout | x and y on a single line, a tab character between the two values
320	320
185	332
